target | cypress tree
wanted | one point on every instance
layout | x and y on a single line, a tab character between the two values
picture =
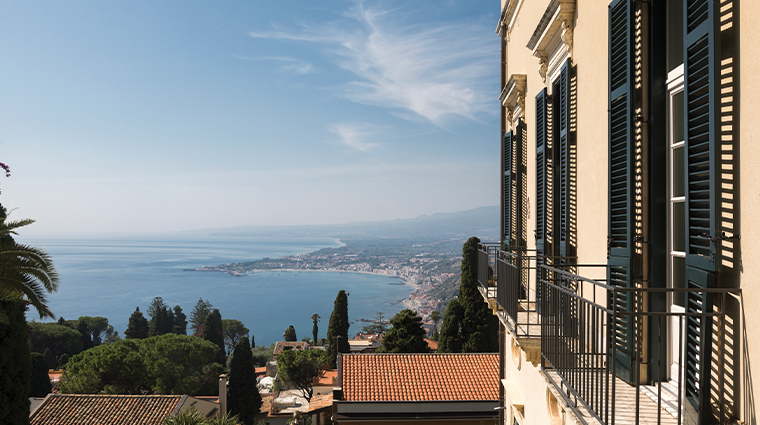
479	327
212	331
180	321
40	385
15	365
86	337
450	339
243	398
337	329
138	325
406	334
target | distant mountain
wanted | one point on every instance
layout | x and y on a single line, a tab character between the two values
482	222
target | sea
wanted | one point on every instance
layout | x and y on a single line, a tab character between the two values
111	277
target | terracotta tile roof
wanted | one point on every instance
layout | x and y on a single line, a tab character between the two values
420	377
319	402
280	346
71	409
327	378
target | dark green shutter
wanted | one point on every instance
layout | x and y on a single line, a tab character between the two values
701	97
542	171
620	184
518	190
507	189
698	342
562	160
701	108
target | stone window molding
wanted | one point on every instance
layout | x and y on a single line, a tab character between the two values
552	41
508	18
513	98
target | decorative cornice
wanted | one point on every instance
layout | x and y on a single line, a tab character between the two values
514	92
504	27
558	19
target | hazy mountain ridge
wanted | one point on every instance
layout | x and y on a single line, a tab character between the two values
482	222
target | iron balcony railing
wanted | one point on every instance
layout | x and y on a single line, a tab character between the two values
612	362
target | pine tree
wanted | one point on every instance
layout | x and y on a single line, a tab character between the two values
40	380
198	315
337	329
243	397
212	331
86	338
15	365
479	327
406	334
290	334
138	326
450	339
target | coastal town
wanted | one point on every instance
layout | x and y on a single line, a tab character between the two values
431	268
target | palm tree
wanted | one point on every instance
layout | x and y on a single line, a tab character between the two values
26	273
435	316
315	329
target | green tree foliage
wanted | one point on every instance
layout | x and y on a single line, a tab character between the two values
97	327
450	338
315	329
378	326
299	367
290	334
198	315
40	385
435	316
479	327
180	321
233	331
162	320
63	360
243	398
85	335
15	365
56	338
262	355
26	273
164	364
212	331
337	329
138	326
406	334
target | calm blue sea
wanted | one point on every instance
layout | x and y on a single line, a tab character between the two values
111	277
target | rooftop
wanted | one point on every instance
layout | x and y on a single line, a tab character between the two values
420	377
106	409
281	346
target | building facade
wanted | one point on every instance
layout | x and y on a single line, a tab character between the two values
625	277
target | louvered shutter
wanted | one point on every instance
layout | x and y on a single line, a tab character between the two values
620	213
562	160
542	171
701	108
698	342
507	189
701	55
518	189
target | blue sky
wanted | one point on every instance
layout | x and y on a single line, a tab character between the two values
148	116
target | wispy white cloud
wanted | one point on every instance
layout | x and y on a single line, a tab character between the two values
289	64
354	136
433	70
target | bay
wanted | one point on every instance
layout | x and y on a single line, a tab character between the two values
110	277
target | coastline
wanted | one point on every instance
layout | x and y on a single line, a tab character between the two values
405	281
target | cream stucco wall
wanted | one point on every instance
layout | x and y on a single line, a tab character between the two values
749	170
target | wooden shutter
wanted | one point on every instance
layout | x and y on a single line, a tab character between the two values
698	342
620	184
701	79
507	168
562	160
542	172
519	219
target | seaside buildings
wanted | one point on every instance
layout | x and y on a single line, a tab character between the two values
626	278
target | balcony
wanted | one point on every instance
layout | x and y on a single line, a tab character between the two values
608	358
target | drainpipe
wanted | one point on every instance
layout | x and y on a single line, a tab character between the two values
222	394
